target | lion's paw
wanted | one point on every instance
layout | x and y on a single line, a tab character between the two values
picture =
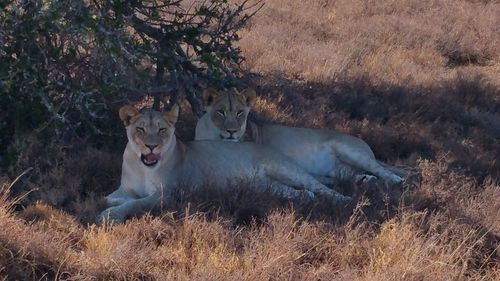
110	216
365	179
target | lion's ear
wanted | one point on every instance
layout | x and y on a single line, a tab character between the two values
248	96
209	95
126	113
172	114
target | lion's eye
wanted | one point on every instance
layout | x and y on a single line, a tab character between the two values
161	130
239	113
221	112
140	130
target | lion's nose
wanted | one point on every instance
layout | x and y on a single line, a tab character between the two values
151	146
231	132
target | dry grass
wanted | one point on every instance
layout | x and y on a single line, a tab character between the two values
410	246
418	80
390	42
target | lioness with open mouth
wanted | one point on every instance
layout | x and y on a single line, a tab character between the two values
155	160
325	154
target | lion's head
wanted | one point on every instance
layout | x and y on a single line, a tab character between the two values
150	133
228	110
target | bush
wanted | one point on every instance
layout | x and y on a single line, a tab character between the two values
65	64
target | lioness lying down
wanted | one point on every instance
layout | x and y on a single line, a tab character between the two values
155	160
325	154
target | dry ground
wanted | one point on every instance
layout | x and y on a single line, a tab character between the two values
418	80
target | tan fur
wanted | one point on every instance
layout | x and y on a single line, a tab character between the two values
325	154
228	113
155	160
127	113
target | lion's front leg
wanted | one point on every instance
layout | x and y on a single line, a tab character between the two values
118	197
118	214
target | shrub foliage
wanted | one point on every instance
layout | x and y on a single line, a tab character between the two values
64	64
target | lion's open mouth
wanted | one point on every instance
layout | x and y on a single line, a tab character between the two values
150	159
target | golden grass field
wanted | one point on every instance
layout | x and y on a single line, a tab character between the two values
419	81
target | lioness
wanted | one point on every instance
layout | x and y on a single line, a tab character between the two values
155	160
325	154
